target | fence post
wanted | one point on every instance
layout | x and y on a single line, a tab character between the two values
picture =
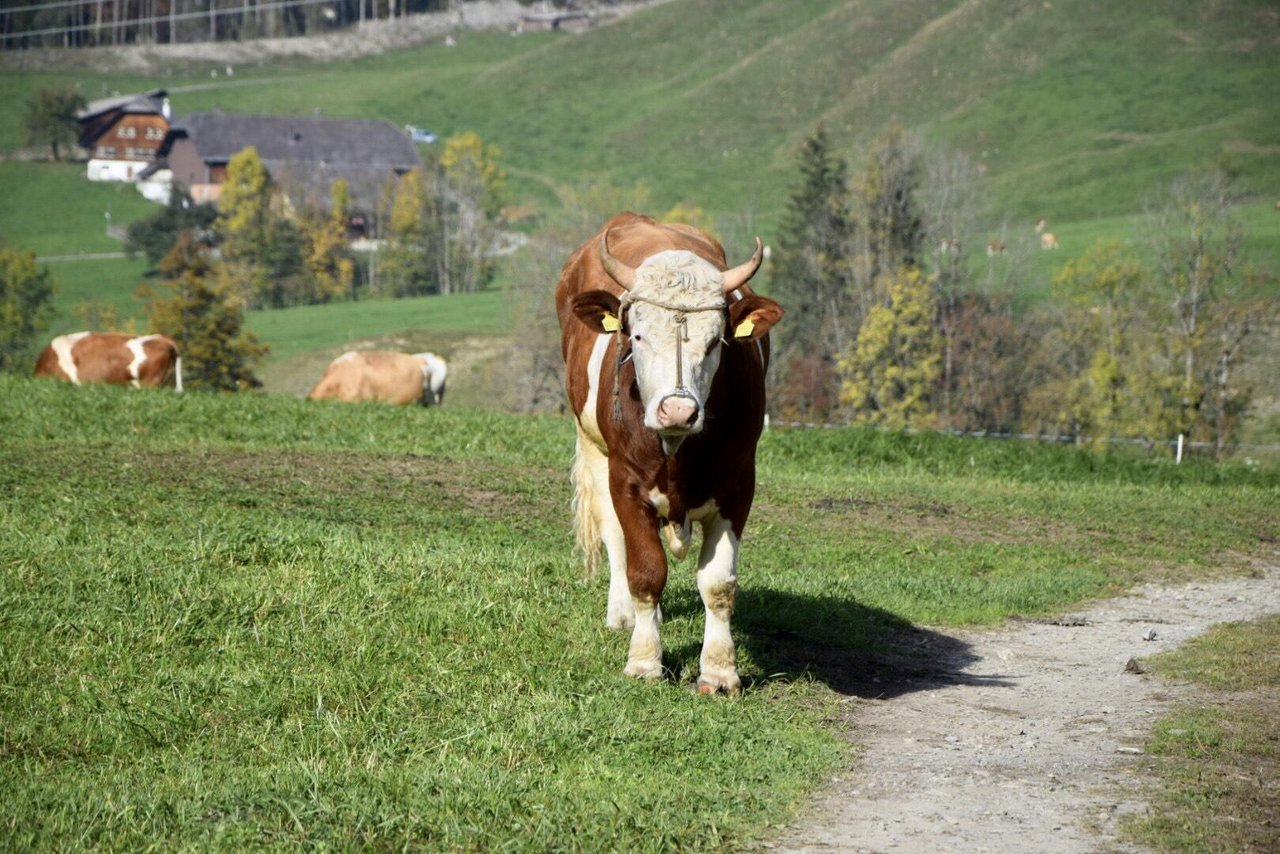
1179	458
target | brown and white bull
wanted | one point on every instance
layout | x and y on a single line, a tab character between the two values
665	355
398	378
114	358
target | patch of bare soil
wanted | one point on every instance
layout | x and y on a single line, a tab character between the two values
1018	739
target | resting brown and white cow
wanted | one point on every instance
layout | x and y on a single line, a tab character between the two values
665	353
397	378
112	357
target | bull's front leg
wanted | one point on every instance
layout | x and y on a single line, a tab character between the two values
646	578
718	584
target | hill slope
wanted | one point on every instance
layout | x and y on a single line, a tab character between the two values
1071	108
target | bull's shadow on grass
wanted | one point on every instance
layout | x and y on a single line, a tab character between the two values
856	650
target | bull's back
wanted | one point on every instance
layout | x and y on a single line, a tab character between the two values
371	375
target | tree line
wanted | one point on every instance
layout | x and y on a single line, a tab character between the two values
259	248
893	321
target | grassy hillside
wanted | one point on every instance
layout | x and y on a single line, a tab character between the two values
238	621
1075	110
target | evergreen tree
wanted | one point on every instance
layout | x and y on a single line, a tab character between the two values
204	315
155	235
811	276
810	270
26	297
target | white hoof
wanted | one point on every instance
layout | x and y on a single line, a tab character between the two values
719	681
647	670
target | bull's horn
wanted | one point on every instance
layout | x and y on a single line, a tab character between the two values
739	275
622	274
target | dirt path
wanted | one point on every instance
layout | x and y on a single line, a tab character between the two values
1016	739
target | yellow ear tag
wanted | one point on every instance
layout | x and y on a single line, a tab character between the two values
743	329
609	322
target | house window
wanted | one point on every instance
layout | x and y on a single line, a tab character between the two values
106	151
155	133
126	132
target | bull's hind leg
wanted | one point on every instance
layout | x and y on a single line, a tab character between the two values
597	524
718	584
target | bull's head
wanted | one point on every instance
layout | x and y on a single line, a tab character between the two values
677	313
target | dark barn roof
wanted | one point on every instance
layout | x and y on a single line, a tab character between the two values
306	154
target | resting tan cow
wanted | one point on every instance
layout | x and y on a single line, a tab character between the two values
114	358
1048	241
665	350
397	378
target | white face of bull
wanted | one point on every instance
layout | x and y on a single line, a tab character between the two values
676	322
677	312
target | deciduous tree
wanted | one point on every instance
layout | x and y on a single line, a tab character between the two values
261	248
1210	301
892	224
51	117
890	375
328	259
26	295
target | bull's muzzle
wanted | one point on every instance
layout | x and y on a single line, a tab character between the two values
678	412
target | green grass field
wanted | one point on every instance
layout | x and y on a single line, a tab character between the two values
249	621
1215	758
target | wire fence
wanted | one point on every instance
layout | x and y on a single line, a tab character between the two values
1176	446
84	23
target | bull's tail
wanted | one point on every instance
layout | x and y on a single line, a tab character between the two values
586	519
177	374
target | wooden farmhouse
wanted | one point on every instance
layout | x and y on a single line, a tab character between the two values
123	134
304	155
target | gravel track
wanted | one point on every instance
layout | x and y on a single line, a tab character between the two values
1018	739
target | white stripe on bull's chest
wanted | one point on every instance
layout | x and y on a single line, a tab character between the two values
587	417
63	345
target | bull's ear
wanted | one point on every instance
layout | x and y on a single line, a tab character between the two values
597	309
752	316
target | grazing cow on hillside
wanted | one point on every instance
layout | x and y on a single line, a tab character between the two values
1048	241
949	245
397	378
1040	224
665	355
996	247
114	358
